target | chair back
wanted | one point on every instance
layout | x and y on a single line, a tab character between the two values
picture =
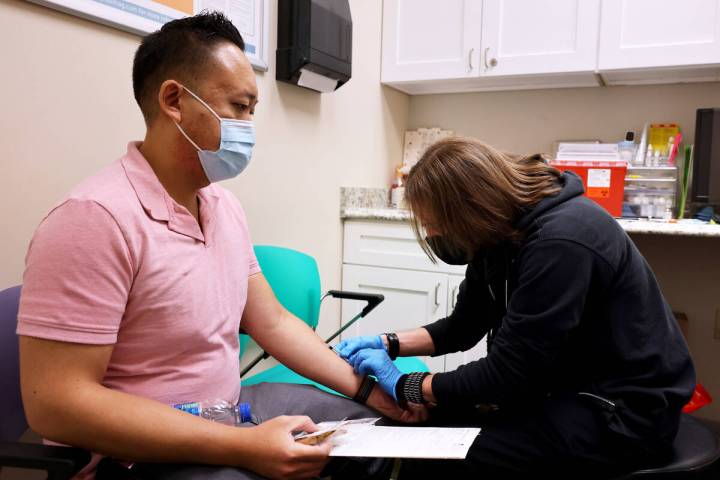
295	280
12	415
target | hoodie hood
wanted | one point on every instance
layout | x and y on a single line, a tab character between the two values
572	186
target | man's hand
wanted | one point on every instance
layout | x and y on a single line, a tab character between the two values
279	456
384	404
349	347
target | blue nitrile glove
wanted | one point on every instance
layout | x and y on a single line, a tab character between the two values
348	347
376	362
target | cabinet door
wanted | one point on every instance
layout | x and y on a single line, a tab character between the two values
428	40
412	299
454	360
659	33
539	36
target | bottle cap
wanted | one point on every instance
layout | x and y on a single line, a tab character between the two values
244	412
630	136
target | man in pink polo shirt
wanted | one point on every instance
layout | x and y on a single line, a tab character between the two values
136	285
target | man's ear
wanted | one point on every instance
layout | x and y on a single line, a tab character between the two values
169	95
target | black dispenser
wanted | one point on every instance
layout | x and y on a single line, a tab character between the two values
314	45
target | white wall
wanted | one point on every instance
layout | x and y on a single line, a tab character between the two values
68	110
688	269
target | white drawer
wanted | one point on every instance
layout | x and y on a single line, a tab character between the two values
388	244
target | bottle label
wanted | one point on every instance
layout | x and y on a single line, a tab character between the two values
192	408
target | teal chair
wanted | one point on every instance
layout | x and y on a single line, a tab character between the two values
294	278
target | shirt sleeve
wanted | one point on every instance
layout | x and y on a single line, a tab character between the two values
554	278
78	274
468	322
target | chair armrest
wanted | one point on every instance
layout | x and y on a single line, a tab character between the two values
59	462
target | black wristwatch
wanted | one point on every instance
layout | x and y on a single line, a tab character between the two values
393	345
366	387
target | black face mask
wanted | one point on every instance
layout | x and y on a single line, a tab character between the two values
446	251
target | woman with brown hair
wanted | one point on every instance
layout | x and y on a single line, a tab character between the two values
586	371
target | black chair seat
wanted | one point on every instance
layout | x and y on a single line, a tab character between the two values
696	451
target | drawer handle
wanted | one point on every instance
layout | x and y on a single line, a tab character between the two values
437	294
453	297
470	55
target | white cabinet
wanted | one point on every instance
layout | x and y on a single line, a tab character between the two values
385	258
454	360
521	37
479	45
427	39
475	45
639	37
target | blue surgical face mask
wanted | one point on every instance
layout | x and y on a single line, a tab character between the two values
237	138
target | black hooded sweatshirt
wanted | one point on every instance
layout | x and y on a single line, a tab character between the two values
575	309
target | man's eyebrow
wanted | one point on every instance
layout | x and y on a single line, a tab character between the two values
247	94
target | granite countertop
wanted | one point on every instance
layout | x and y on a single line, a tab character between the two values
371	204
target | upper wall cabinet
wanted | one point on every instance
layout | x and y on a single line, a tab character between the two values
641	38
430	40
432	46
521	37
467	45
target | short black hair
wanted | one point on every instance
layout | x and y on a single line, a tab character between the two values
181	47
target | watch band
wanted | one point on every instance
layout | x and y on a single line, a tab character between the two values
393	345
412	388
366	387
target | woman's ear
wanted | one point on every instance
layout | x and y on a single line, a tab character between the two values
169	95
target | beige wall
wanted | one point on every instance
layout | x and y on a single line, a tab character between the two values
529	121
68	110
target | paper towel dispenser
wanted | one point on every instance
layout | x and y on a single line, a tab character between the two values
314	43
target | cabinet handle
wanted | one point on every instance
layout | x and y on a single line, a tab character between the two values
453	297
470	55
437	294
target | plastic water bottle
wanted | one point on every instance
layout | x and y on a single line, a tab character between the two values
218	411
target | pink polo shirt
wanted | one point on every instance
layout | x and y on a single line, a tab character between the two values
119	262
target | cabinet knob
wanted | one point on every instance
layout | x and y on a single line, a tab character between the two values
489	62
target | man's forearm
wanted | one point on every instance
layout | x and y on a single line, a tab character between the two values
137	429
297	346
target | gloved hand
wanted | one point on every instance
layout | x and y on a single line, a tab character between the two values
376	362
348	347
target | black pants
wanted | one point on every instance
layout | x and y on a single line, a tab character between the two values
565	437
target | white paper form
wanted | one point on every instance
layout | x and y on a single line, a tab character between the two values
403	442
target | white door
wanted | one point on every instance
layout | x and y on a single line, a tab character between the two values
430	39
539	36
412	299
659	33
454	360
